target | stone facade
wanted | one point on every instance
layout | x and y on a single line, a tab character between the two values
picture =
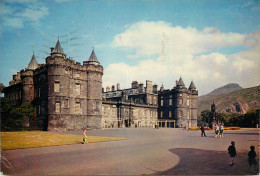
179	104
133	107
68	95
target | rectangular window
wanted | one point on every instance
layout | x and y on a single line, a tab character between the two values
77	89
170	102
56	86
188	102
66	103
39	92
57	107
161	102
77	75
170	114
39	109
77	108
161	114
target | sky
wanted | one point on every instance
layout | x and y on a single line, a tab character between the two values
209	42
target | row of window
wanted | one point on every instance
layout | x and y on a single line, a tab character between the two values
14	96
77	107
180	102
170	114
57	87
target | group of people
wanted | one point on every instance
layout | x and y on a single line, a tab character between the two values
219	130
251	157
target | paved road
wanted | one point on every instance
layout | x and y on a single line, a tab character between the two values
148	151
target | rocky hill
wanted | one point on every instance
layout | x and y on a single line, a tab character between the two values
223	90
234	102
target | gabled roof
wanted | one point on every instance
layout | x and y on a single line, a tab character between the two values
33	64
58	48
192	86
180	83
93	57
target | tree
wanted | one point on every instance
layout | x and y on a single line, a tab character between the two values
16	118
205	116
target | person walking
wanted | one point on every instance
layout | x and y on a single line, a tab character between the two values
232	153
85	137
251	159
216	131
202	131
221	130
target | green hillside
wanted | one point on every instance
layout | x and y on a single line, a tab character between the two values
238	102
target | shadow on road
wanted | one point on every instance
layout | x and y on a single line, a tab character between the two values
206	162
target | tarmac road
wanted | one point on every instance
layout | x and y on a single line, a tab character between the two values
147	151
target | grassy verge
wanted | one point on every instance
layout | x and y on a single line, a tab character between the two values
32	139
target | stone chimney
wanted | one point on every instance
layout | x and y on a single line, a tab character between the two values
176	83
141	87
117	86
149	87
107	89
113	87
155	87
134	84
52	49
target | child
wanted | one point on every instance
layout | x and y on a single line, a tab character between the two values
232	152
251	159
85	137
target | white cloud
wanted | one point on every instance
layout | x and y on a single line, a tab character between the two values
16	17
187	52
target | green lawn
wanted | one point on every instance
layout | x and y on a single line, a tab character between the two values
32	139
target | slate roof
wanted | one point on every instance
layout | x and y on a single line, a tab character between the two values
192	86
180	83
58	48
33	64
93	57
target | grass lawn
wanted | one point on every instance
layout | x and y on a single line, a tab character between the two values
32	139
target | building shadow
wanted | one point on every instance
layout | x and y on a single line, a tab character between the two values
206	162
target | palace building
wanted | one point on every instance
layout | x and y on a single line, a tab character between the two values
68	95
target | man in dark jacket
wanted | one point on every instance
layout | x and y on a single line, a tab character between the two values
202	131
232	153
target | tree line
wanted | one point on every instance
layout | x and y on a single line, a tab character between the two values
250	119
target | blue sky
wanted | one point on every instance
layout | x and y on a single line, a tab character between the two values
210	42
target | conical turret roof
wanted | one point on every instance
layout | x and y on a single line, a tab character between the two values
93	57
180	83
58	48
33	64
192	86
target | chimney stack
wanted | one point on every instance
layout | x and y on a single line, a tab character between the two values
117	86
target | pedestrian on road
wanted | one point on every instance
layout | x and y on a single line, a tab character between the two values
217	131
251	159
232	153
202	131
85	137
221	130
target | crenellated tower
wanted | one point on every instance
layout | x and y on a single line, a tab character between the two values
94	73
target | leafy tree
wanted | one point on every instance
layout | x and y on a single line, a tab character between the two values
16	118
205	116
